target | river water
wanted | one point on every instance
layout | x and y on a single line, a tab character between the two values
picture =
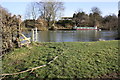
74	35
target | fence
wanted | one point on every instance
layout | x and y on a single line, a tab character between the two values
25	41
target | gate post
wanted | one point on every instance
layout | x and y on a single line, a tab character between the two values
36	34
32	34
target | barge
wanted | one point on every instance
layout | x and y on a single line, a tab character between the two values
85	28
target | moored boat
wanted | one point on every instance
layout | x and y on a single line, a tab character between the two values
85	28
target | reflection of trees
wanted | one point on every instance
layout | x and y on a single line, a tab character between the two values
53	36
44	36
47	36
87	35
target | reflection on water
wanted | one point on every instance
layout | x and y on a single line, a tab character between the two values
74	35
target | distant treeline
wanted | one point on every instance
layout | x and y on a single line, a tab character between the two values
109	22
46	15
80	18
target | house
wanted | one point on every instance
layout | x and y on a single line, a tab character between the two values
67	18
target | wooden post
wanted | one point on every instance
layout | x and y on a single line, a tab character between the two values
18	36
32	34
36	34
19	30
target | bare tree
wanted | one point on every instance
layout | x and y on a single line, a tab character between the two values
31	11
80	18
50	10
111	22
95	16
96	10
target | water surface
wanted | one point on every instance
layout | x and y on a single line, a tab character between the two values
73	35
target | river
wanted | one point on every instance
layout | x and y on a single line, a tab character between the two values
74	35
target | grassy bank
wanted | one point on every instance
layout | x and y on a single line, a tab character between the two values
76	60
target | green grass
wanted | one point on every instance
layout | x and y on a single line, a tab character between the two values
79	60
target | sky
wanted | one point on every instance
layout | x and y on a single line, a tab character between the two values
107	8
119	5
